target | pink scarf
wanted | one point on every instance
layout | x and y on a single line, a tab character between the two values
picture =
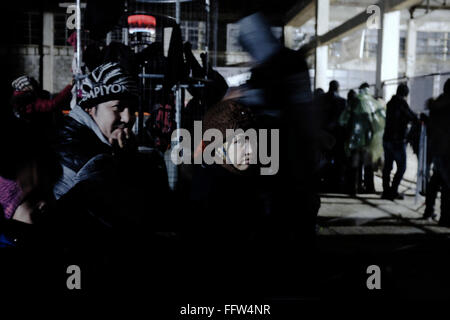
10	196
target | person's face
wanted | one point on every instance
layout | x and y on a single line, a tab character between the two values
240	152
112	115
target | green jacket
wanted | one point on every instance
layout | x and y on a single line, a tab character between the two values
363	121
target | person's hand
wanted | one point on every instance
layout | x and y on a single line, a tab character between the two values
122	137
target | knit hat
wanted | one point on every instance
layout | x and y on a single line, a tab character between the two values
10	197
105	83
24	83
228	114
225	115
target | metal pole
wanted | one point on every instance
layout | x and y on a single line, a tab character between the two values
177	92
208	27
141	107
215	32
379	81
78	26
177	103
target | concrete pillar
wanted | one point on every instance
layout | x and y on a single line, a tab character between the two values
446	40
436	85
288	37
388	53
47	44
321	65
411	39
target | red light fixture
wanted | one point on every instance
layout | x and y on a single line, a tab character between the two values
141	21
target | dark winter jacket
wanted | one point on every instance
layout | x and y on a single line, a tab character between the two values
78	140
398	115
225	204
440	135
333	106
114	188
440	125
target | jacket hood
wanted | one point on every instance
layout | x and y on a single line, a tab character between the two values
82	117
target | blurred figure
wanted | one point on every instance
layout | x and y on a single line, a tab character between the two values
431	181
398	116
332	107
357	132
350	96
433	187
326	140
280	86
376	113
376	147
440	151
336	102
318	93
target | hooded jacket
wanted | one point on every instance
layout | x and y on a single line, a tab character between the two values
78	141
113	187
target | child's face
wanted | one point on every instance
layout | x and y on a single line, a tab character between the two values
240	152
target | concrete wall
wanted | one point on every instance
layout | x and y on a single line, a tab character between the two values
26	60
23	60
62	67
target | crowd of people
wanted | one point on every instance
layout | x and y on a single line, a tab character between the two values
353	131
361	134
79	184
82	189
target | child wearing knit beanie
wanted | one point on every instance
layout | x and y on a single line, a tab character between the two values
236	152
